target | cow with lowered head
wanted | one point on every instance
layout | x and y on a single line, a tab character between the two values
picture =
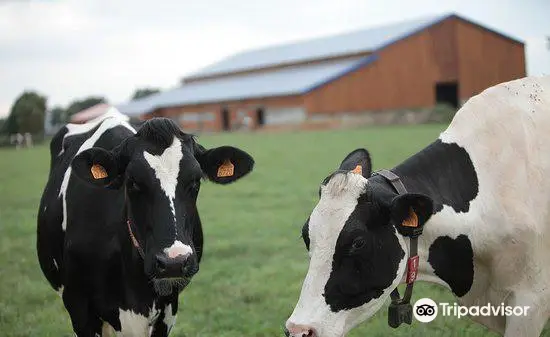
468	212
119	234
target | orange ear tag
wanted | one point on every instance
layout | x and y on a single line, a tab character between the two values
98	171
227	169
412	220
358	169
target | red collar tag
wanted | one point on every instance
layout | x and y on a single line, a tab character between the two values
412	269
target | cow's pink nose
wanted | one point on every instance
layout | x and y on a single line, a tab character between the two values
299	330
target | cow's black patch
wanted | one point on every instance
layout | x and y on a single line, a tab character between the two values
160	132
444	172
366	257
305	233
453	262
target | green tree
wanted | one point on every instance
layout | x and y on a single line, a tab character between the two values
83	104
10	126
58	116
2	124
27	113
144	92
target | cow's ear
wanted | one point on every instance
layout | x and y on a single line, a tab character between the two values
410	211
224	164
358	161
98	167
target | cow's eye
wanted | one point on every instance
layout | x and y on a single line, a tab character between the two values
357	244
195	185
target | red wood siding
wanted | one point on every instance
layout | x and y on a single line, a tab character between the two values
405	74
486	59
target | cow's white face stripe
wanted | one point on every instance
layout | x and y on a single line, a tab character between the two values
167	169
108	123
178	248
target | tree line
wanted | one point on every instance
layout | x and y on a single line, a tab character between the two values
28	111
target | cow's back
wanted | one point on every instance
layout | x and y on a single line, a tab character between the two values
52	213
505	132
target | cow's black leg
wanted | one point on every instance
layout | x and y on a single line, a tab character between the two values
166	319
85	324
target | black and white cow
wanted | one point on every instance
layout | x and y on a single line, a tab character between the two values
119	234
481	191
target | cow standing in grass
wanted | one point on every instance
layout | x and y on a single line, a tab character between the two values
481	195
119	234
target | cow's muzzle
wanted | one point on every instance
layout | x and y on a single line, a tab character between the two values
173	274
181	266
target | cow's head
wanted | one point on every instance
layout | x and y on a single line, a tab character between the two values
357	254
160	170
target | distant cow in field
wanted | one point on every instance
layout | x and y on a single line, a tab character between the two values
470	212
119	234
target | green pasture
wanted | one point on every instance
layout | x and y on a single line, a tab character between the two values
254	259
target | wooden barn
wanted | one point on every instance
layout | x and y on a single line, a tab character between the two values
374	75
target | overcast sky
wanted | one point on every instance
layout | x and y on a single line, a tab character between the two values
72	49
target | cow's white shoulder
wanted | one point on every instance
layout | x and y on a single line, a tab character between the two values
504	129
77	129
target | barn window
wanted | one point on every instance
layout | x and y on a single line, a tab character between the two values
226	124
447	92
260	116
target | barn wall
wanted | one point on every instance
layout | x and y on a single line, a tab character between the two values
486	59
208	117
402	77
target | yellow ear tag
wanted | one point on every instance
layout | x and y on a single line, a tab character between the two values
227	169
412	220
358	169
98	171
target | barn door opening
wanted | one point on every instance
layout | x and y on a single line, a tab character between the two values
225	119
447	92
260	116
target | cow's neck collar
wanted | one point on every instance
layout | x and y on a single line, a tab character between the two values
400	309
135	242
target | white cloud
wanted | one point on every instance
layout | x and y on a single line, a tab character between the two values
71	49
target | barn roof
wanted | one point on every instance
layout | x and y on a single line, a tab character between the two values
350	43
296	79
281	82
365	40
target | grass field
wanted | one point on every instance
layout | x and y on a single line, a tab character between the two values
254	258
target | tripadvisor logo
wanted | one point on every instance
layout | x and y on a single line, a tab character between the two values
425	310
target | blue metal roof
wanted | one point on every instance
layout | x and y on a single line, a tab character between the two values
281	82
343	44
